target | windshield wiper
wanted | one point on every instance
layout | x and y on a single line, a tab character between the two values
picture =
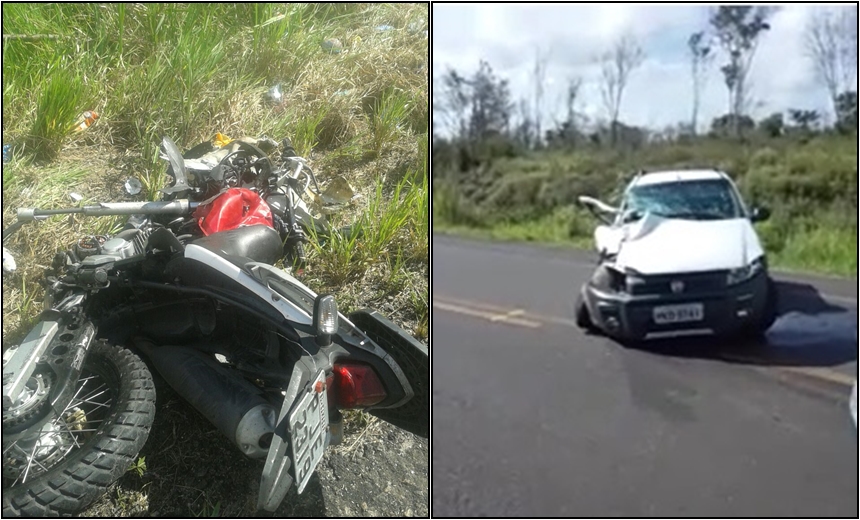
692	215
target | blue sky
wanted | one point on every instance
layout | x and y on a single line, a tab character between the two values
659	93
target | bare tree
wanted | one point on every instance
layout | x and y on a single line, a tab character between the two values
700	58
616	66
738	28
573	86
452	99
524	127
539	78
831	44
474	107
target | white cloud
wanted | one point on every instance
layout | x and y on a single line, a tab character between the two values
659	92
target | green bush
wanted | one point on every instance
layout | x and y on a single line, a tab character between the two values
765	157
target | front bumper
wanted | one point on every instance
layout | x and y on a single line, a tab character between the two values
727	310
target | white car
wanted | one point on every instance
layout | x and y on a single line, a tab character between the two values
679	256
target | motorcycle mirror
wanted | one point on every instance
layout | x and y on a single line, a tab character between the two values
597	208
177	166
591	202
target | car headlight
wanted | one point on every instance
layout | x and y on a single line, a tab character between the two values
608	278
746	272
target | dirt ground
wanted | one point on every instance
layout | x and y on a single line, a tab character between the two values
193	470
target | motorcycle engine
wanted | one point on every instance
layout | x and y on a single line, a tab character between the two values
118	247
93	267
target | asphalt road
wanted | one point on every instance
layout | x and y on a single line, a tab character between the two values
532	417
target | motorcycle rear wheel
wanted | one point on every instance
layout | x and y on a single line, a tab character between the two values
67	466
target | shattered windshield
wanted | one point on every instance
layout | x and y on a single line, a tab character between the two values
711	199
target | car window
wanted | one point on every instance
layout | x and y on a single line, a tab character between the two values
711	199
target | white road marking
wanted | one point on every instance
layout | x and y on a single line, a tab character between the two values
486	315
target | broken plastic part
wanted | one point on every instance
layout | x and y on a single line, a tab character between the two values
9	265
132	186
274	94
177	164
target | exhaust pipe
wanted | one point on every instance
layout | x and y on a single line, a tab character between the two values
235	406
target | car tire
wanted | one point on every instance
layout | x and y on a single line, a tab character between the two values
771	311
84	474
583	317
757	331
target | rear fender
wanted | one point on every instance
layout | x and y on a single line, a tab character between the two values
413	358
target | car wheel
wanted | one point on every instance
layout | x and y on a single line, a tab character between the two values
757	331
771	307
583	317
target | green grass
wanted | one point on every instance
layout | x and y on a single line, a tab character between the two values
391	224
138	467
188	71
389	117
209	510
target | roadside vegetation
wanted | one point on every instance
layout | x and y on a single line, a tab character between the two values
810	185
501	172
354	84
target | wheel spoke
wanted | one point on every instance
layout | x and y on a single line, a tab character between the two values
40	464
91	395
103	405
33	454
13	445
30	459
72	400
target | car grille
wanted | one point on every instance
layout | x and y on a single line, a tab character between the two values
695	283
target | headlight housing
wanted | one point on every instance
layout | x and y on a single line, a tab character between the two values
746	272
608	278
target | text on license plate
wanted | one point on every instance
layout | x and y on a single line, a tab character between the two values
679	313
308	433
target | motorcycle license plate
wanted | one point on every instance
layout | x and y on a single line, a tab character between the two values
308	431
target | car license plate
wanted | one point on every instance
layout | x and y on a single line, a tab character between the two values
308	431
678	313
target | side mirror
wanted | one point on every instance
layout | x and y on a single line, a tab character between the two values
759	214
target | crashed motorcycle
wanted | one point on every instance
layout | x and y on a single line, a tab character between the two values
189	289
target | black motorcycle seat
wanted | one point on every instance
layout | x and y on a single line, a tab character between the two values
259	243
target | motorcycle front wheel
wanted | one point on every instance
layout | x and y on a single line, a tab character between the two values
70	462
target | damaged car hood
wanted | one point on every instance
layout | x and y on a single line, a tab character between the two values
657	245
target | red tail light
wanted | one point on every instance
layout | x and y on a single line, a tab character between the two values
357	386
